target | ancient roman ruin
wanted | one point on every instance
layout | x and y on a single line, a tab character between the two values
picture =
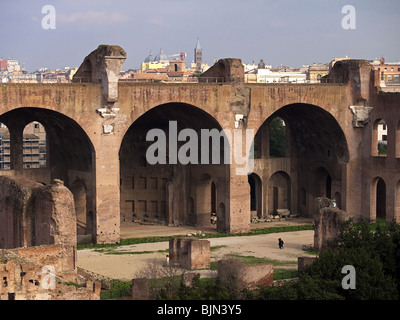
97	175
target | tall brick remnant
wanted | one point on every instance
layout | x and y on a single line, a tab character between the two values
189	253
359	73
33	214
224	70
327	221
38	236
103	66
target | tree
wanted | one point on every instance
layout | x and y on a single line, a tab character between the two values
375	255
277	138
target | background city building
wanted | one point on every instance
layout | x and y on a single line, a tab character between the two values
389	72
34	146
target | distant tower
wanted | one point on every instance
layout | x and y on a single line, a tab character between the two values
198	55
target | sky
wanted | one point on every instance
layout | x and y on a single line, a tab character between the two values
281	32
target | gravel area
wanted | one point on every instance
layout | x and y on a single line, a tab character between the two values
127	266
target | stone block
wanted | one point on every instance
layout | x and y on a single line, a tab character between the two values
303	262
189	253
233	273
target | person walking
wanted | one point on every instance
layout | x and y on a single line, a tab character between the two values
281	243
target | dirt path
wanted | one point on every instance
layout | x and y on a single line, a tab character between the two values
127	266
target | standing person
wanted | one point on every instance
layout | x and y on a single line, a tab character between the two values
280	243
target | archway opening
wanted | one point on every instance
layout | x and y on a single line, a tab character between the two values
255	196
379	138
171	148
59	148
380	199
322	183
279	194
277	138
314	139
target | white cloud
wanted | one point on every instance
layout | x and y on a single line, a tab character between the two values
92	17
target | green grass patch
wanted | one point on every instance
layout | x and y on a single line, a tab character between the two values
312	252
255	260
118	289
282	274
215	248
214	265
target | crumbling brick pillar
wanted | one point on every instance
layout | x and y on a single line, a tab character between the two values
32	214
107	220
16	147
327	219
239	213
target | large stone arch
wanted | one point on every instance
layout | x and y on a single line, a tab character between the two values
314	140
320	124
170	192
70	154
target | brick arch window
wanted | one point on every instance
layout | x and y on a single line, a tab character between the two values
379	138
378	199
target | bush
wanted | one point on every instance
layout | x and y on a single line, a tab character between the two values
375	255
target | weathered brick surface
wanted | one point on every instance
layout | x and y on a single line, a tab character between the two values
236	274
327	221
140	289
40	224
189	253
34	214
24	275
